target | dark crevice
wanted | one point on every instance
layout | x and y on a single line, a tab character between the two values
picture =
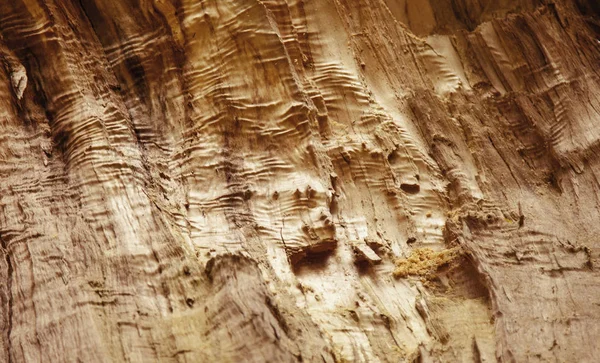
410	188
308	259
589	8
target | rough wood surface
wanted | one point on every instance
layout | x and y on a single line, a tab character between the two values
299	180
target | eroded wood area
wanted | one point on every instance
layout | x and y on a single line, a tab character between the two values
299	180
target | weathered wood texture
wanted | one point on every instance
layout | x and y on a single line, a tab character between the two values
299	180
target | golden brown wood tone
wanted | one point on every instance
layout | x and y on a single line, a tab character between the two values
299	180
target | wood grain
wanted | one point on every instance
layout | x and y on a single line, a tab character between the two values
299	180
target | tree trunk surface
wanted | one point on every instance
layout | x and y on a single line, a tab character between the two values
299	180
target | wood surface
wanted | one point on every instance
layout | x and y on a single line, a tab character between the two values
299	180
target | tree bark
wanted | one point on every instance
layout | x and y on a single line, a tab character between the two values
299	180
